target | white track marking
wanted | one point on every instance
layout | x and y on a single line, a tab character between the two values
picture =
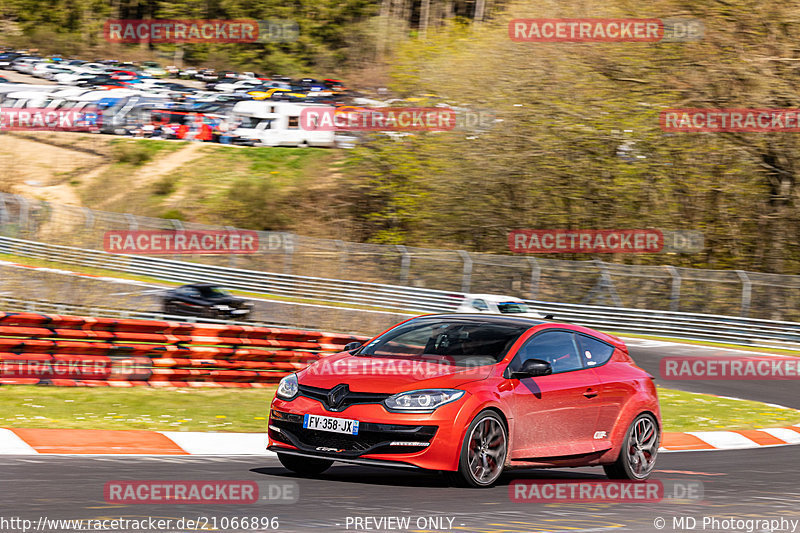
10	444
198	443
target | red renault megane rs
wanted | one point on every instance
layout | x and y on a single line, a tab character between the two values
471	395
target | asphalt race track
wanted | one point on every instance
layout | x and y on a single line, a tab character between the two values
748	484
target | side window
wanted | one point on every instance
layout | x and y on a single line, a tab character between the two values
556	347
294	123
479	305
594	352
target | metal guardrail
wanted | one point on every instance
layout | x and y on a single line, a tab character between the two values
719	328
641	285
321	289
38	306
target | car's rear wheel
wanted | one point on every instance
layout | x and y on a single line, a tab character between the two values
483	452
305	466
639	450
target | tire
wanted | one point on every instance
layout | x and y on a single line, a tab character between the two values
305	466
483	452
637	457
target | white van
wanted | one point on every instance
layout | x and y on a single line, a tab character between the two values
278	124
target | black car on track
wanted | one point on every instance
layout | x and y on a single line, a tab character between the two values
205	300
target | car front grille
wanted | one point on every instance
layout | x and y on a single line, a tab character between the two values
346	399
371	438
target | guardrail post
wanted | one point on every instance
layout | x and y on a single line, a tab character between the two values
3	211
178	226
747	292
604	285
288	259
405	263
536	274
675	295
342	247
133	225
232	260
88	216
466	278
24	208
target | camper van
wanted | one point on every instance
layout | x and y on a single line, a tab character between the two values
271	123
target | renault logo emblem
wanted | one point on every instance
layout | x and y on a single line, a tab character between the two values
337	395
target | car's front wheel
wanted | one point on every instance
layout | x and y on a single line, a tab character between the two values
483	452
639	450
305	466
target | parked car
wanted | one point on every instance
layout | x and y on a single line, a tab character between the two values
471	396
496	304
25	65
207	74
205	300
151	68
7	59
278	124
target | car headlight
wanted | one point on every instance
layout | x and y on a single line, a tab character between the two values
422	401
288	387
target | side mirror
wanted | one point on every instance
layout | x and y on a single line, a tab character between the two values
352	346
532	368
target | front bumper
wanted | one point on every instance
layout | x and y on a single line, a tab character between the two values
424	440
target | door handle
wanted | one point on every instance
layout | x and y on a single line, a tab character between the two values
590	393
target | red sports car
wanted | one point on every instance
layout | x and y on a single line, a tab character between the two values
471	395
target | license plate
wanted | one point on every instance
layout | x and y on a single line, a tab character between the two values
329	423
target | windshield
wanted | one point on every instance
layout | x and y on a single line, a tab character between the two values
214	292
451	341
513	307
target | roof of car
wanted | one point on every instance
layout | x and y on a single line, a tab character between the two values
494	297
531	322
485	317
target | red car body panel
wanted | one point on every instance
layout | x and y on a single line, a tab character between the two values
572	418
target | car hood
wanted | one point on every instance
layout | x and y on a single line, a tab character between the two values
225	300
388	375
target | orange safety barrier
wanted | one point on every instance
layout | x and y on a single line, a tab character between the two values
86	351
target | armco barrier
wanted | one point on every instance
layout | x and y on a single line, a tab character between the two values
76	350
696	326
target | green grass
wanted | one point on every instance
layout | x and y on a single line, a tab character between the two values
246	410
175	409
257	188
137	152
687	411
